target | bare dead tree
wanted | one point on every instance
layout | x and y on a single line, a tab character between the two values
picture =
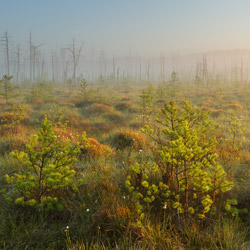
103	64
114	69
92	64
148	71
140	71
241	71
162	67
5	40
64	64
23	75
118	74
30	45
205	70
35	57
18	53
42	70
75	53
52	66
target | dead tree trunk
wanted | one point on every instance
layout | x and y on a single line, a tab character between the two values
5	41
18	64
30	44
75	58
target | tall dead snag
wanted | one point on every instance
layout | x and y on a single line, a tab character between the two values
18	53
204	71
5	41
75	53
36	56
30	44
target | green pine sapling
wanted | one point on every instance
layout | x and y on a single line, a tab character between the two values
184	177
7	88
46	175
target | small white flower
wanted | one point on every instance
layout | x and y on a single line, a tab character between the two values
67	227
165	206
87	210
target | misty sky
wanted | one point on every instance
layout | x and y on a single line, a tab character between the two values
132	26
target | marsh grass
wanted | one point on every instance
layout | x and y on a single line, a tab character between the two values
100	215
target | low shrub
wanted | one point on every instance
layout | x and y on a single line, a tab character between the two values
45	176
93	148
116	118
98	108
125	106
184	180
127	138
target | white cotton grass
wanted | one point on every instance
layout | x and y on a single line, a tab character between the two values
66	229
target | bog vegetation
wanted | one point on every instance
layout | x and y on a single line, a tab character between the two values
119	165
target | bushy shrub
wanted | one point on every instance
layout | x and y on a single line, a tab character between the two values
93	148
101	127
125	106
127	138
45	173
185	177
115	117
10	120
98	108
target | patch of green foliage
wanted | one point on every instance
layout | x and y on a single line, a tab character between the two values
45	176
185	178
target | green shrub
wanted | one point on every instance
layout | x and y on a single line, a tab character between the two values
185	177
127	139
45	172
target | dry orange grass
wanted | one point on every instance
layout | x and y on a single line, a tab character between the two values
206	94
7	118
244	157
38	102
128	138
98	127
217	112
11	123
211	95
136	125
96	149
99	108
208	103
12	143
85	125
101	127
234	106
122	106
73	119
67	134
14	138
